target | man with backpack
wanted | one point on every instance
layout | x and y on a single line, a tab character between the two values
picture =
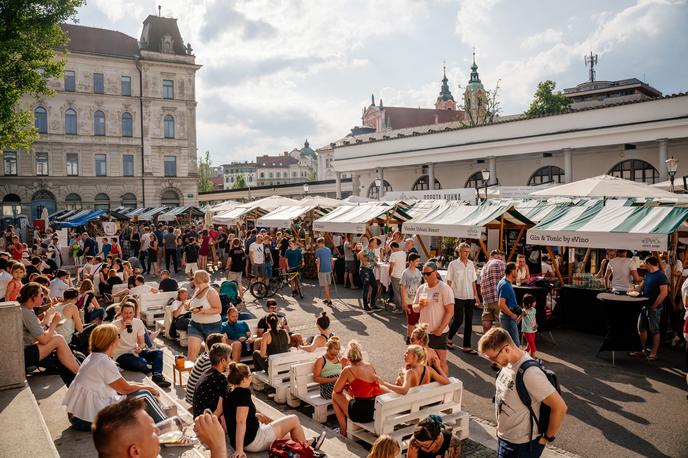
528	405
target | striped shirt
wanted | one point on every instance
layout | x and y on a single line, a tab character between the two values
492	272
201	366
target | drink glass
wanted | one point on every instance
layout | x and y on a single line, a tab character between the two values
423	299
179	361
171	430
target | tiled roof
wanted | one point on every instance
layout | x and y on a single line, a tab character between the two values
155	28
403	117
93	40
275	161
451	126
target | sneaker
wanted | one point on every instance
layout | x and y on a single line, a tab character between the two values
318	441
160	380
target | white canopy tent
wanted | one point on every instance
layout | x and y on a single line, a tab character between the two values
149	214
604	186
355	219
358	200
172	214
284	216
321	201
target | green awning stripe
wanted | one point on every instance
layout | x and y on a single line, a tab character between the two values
585	217
673	220
638	215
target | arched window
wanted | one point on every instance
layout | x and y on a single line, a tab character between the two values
547	174
422	184
101	202
99	123
73	202
127	126
70	121
475	181
170	198
635	170
169	126
41	120
374	191
129	200
11	205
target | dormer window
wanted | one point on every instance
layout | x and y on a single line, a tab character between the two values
167	44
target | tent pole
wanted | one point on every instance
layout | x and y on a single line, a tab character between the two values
570	264
484	248
555	264
513	248
585	258
423	247
501	232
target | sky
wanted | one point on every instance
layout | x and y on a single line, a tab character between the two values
277	72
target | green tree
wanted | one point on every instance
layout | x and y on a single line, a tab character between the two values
31	33
240	182
488	106
546	101
205	171
312	175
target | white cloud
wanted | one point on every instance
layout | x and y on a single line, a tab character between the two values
542	38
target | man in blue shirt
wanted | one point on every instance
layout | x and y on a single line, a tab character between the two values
294	258
508	304
655	287
238	335
324	262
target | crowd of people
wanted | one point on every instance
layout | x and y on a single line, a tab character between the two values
61	312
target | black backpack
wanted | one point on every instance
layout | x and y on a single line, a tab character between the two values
542	419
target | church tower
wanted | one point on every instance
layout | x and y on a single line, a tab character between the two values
445	101
474	96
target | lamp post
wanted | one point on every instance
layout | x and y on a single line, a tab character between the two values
378	185
486	177
672	168
305	189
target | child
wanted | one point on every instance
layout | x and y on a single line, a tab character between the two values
529	325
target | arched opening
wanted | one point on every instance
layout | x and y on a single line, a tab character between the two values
127	125
129	200
374	191
73	202
170	198
70	121
422	183
41	120
99	123
169	126
11	205
40	200
547	174
475	181
635	170
101	202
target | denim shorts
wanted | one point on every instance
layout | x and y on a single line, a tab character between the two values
203	330
649	320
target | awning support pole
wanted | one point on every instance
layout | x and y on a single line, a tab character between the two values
501	233
555	265
423	247
482	245
513	248
585	258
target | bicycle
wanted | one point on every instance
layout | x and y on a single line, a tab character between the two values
261	290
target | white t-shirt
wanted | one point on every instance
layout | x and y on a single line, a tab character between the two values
90	392
258	252
621	273
513	417
399	260
678	268
438	297
5	278
128	340
145	240
141	289
462	277
58	287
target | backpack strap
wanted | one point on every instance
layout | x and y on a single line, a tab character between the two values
523	393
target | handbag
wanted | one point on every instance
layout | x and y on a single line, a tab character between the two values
283	448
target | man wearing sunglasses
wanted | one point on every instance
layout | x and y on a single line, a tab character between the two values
435	302
513	417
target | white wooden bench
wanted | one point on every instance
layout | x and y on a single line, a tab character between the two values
152	306
302	387
279	367
397	415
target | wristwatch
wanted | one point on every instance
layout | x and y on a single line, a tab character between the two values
548	438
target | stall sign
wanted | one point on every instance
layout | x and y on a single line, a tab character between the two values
641	242
467	194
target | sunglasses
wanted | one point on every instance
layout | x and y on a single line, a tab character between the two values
494	358
428	273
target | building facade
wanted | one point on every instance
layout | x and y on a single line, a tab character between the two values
295	166
119	131
232	172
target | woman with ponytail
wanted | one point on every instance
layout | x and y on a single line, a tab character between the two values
356	389
327	368
320	340
415	372
431	440
248	430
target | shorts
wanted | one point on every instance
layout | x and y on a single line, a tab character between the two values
203	330
324	278
191	267
491	312
438	342
31	355
649	320
234	276
362	410
257	270
265	436
412	317
349	266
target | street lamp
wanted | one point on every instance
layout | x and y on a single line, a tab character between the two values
305	189
486	177
672	168
378	185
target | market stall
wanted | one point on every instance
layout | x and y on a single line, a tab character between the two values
151	213
187	212
81	218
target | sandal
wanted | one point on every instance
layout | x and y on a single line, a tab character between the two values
182	441
470	351
637	354
652	358
450	345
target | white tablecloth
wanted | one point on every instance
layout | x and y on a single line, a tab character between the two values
382	274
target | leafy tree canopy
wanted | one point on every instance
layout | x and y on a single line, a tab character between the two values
546	101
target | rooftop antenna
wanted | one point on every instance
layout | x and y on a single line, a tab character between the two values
159	10
591	61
